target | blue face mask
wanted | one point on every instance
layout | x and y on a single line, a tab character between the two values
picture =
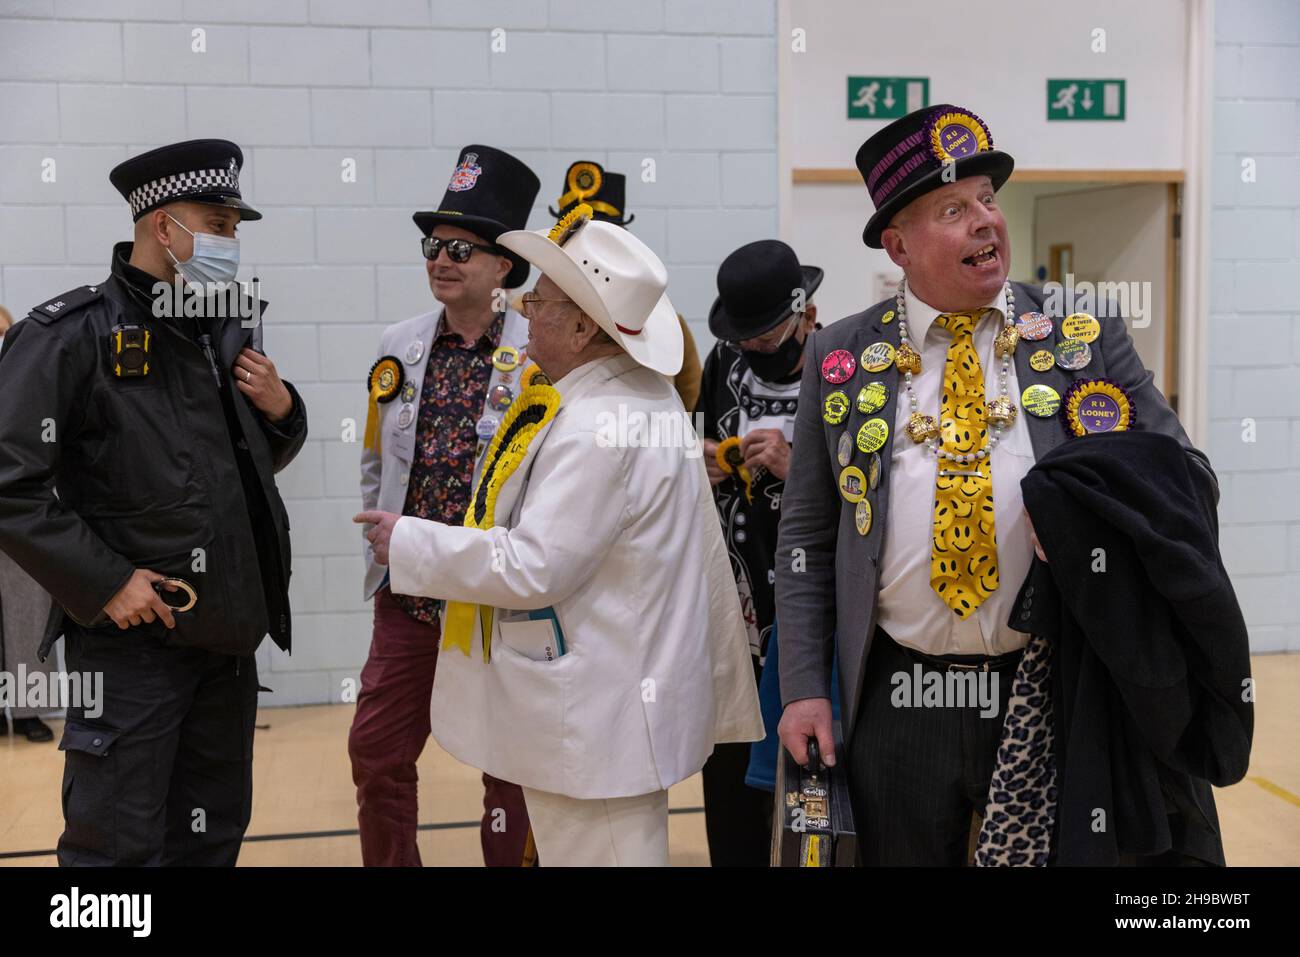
215	258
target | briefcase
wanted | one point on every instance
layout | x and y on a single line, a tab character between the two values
813	824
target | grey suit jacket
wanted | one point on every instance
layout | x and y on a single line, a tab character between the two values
826	573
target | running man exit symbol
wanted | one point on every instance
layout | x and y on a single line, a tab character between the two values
1086	99
887	97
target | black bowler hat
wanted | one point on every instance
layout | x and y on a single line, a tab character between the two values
490	192
906	159
196	171
757	286
588	182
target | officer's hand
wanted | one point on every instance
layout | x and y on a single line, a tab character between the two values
136	602
804	719
256	377
381	534
711	465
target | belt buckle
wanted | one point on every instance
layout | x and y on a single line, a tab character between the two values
957	665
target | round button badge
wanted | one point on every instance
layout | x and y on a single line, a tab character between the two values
872	397
1041	400
844	449
1042	360
862	517
872	435
1033	326
838	366
1073	354
1080	326
878	357
853	484
835	407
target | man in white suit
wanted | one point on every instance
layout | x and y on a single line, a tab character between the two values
439	385
608	654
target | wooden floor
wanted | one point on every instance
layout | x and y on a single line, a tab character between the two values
303	793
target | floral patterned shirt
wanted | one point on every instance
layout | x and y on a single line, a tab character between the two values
456	381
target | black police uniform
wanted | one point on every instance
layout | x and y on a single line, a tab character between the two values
171	471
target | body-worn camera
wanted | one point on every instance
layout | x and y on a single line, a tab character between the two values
128	351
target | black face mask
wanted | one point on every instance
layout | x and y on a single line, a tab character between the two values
776	366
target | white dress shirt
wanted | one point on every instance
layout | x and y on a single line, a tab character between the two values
907	607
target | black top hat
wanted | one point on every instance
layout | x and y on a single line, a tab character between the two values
490	192
906	159
197	171
757	286
587	182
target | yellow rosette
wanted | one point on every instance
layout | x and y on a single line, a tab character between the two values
383	384
733	463
528	415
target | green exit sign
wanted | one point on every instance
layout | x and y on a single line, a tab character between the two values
1085	99
887	97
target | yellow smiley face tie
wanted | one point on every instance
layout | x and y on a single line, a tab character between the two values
964	553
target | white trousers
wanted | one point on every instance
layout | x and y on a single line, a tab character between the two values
601	832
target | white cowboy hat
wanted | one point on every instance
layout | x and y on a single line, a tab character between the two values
615	279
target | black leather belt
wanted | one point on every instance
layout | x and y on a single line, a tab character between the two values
967	662
958	662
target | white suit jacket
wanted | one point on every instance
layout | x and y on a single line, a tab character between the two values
623	542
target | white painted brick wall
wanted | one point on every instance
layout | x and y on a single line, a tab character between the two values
1255	321
395	88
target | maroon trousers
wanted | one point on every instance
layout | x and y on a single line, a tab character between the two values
388	734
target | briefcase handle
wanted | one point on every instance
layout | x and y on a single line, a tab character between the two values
814	756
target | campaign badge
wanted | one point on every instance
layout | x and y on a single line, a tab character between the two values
414	351
873	471
505	358
1041	400
406	416
888	317
878	357
853	484
1033	326
872	435
872	397
835	407
1042	360
838	366
1080	326
500	397
408	392
1073	354
844	449
1096	406
862	517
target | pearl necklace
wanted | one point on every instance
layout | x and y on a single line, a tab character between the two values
923	428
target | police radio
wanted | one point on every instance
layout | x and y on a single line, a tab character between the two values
129	350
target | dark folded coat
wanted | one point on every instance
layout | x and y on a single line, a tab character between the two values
1150	660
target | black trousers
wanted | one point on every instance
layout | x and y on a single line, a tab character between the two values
737	818
163	775
916	774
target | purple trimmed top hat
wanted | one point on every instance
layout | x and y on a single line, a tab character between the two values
906	159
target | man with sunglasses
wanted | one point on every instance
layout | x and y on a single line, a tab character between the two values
439	387
749	393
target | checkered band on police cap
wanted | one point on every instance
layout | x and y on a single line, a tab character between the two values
191	183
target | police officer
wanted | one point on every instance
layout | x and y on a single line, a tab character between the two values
140	442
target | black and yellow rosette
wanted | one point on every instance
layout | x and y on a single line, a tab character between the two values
530	412
572	221
731	461
1097	406
383	384
584	181
533	375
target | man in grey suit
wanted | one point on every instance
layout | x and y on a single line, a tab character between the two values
903	539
